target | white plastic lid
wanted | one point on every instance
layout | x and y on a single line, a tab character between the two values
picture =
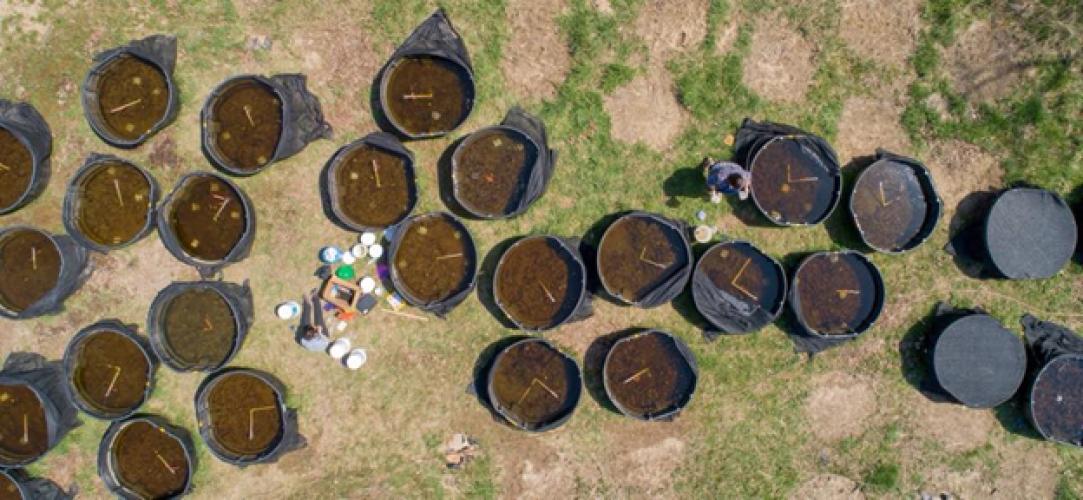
367	284
368	239
359	250
356	359
376	251
339	348
348	258
287	310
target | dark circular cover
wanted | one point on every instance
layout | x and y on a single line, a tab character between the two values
978	361
1029	233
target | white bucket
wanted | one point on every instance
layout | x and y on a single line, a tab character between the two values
339	348
376	251
356	359
368	239
367	284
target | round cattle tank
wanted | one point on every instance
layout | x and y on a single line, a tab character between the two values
146	457
207	221
977	361
30	267
244	120
644	260
110	203
1055	405
837	294
242	416
895	205
533	385
370	183
792	185
433	260
198	326
539	283
1029	233
650	375
109	370
426	95
490	169
738	288
129	94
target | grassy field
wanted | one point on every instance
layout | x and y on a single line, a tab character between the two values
765	422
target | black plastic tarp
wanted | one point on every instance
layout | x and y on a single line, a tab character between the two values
71	213
727	313
302	119
158	50
434	37
105	450
239	299
670	287
31	488
74	271
289	439
46	379
71	358
536	175
583	308
26	124
1029	233
440	307
1054	350
328	182
974	359
932	200
206	269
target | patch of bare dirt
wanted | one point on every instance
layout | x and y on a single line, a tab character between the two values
649	470
960	484
646	110
726	34
669	27
868	123
26	16
960	168
828	487
136	273
987	61
840	405
536	57
885	32
1027	470
952	426
163	155
602	6
781	61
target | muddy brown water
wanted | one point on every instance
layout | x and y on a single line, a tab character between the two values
133	97
746	274
29	268
434	259
113	202
24	434
247	124
111	372
16	168
889	205
199	328
427	95
491	170
8	489
838	293
208	217
637	254
373	187
244	414
150	461
647	375
790	184
532	383
537	283
1057	400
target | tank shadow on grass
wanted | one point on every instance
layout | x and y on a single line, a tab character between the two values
588	247
479	384
1075	200
594	366
964	234
840	226
487	278
447	187
685	304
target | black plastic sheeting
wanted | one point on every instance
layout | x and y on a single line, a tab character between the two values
932	201
289	439
239	299
302	119
575	389
46	379
26	124
71	219
583	308
812	343
669	288
537	175
105	452
328	183
729	314
440	307
74	271
435	37
1029	234
72	352
157	50
31	488
752	136
206	269
974	359
668	414
1054	347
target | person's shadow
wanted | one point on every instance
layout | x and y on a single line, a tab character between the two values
684	183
